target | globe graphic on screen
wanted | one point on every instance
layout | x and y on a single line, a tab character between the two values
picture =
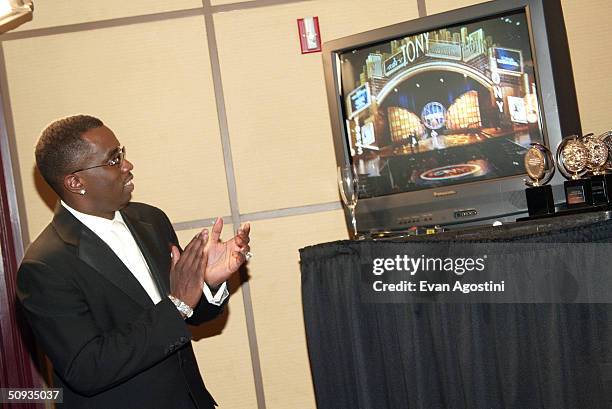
433	115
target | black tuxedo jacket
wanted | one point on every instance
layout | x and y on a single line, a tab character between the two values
110	346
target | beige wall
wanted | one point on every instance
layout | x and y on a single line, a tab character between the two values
147	68
151	83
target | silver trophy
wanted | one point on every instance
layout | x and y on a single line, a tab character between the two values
572	161
539	165
597	154
606	138
540	168
600	164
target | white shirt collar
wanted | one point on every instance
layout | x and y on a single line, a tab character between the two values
98	225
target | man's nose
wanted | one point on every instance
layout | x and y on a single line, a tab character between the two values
127	166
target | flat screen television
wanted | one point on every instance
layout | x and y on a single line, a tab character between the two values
436	114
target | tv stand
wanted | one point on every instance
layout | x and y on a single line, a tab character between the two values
523	355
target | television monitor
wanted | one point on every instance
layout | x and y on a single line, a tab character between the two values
436	114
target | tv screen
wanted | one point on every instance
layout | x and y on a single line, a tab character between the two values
436	113
442	107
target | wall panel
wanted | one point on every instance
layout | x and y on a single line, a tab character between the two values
222	348
439	6
275	97
587	30
151	84
220	2
49	13
277	305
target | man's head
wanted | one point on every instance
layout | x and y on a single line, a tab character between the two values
60	148
83	162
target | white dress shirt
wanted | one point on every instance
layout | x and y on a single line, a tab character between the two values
118	237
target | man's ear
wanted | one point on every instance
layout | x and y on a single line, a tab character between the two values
72	183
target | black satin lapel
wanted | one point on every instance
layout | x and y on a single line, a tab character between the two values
67	226
100	257
145	237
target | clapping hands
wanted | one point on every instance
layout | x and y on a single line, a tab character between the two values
225	257
207	259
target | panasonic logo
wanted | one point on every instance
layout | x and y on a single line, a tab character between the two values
445	193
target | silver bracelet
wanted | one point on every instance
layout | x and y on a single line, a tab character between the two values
185	310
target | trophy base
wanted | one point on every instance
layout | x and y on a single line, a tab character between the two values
568	212
601	188
540	200
578	193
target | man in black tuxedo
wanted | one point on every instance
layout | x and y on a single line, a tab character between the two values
105	287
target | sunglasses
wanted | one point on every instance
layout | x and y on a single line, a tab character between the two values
116	160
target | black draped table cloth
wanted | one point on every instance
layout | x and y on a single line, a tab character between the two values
453	355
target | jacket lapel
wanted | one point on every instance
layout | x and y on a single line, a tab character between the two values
95	252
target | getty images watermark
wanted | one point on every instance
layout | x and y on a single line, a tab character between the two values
486	273
422	264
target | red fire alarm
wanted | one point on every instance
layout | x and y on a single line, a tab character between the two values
310	36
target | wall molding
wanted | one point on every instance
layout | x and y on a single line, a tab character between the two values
205	10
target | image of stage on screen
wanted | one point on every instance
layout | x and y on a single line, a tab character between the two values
448	106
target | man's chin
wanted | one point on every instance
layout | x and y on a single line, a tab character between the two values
127	202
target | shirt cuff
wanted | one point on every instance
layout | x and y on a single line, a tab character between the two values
219	297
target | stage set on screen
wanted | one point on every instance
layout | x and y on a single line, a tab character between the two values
441	107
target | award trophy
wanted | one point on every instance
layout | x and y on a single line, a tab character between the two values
540	168
597	158
572	158
606	138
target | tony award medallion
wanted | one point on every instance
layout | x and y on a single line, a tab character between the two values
540	168
572	159
597	158
606	138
